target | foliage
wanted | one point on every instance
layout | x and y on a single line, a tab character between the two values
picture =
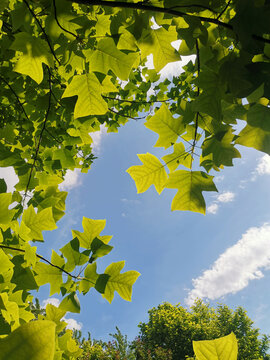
174	328
66	68
118	349
224	348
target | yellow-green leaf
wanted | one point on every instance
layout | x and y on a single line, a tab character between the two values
32	341
107	57
190	185
178	157
43	220
89	90
158	43
122	283
152	172
92	229
224	348
35	52
168	127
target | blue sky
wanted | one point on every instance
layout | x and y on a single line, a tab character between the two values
222	257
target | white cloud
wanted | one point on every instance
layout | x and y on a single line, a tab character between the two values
236	267
130	201
72	179
213	208
10	177
263	166
52	301
71	323
97	137
225	197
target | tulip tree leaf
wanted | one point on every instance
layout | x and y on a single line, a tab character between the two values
92	229
35	52
190	185
158	43
152	172
88	89
166	126
122	283
178	157
107	57
224	348
43	220
32	341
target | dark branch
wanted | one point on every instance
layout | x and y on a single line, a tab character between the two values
47	261
225	8
42	29
151	8
17	97
127	116
61	27
198	93
135	101
40	136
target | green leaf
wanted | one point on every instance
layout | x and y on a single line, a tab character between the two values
178	157
6	215
107	57
152	172
32	341
90	278
89	90
71	303
122	283
221	148
224	348
48	274
35	52
158	43
43	220
73	255
256	133
168	127
3	186
190	185
92	229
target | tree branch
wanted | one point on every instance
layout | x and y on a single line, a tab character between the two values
170	11
40	136
17	97
61	27
198	93
47	261
43	31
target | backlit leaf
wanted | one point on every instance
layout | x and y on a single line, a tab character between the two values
190	185
224	348
152	172
166	126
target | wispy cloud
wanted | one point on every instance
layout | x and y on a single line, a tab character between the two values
71	323
224	197
10	177
263	166
212	208
130	201
72	179
97	137
236	267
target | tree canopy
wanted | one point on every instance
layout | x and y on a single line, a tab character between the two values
173	328
68	67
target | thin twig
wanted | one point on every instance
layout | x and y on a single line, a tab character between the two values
61	27
127	116
225	8
152	8
198	93
135	101
17	97
47	261
40	136
43	31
